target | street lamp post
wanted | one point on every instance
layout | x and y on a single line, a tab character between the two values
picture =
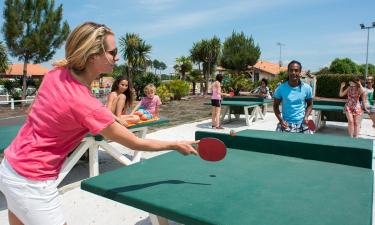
368	37
280	61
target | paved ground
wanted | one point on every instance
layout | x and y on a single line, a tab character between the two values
85	208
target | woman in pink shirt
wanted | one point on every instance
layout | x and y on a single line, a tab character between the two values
34	159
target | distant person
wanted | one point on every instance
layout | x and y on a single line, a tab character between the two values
296	99
121	99
369	89
352	108
149	104
216	101
33	161
370	98
280	82
263	90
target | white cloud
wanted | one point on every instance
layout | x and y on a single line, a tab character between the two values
174	22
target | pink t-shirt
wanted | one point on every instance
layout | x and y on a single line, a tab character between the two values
63	112
150	104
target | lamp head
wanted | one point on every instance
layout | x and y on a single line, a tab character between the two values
362	26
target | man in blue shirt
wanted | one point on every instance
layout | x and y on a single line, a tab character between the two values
296	98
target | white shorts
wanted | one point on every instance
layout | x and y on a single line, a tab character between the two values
33	202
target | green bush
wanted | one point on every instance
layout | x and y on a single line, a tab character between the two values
328	85
163	92
179	89
140	81
237	83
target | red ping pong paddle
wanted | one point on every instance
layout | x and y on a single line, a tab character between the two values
311	125
231	94
211	149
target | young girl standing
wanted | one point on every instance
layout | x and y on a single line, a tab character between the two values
353	107
216	101
120	100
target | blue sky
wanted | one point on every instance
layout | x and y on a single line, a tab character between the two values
313	31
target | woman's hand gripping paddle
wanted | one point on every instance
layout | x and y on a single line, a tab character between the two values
311	125
211	149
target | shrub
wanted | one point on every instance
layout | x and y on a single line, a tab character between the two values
163	92
179	89
141	80
237	83
328	85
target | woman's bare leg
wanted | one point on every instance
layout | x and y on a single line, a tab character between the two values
120	104
349	116
13	219
217	112
356	125
372	117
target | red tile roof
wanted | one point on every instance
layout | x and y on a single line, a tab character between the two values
268	67
32	70
272	68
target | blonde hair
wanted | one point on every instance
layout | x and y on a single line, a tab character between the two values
83	42
149	87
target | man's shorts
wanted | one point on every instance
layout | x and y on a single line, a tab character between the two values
33	202
294	128
216	102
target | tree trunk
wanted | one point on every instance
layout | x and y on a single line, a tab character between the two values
207	78
24	74
194	84
183	75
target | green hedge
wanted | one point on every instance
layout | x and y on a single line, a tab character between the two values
328	85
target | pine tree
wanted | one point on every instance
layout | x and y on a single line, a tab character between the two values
33	31
3	58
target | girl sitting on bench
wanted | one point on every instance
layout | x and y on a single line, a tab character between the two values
120	100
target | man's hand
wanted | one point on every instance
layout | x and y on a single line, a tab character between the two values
284	124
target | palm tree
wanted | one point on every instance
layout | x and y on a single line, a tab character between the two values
183	65
143	55
3	58
128	48
211	51
206	52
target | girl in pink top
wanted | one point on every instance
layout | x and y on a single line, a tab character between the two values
151	103
216	101
33	160
352	107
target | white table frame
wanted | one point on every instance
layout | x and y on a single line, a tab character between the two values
255	115
90	144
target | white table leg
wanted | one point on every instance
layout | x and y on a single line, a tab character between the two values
225	111
250	118
114	153
74	157
158	220
94	160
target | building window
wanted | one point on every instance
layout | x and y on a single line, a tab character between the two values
256	76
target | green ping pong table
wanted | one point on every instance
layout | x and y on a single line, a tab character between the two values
91	143
253	108
266	178
328	110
